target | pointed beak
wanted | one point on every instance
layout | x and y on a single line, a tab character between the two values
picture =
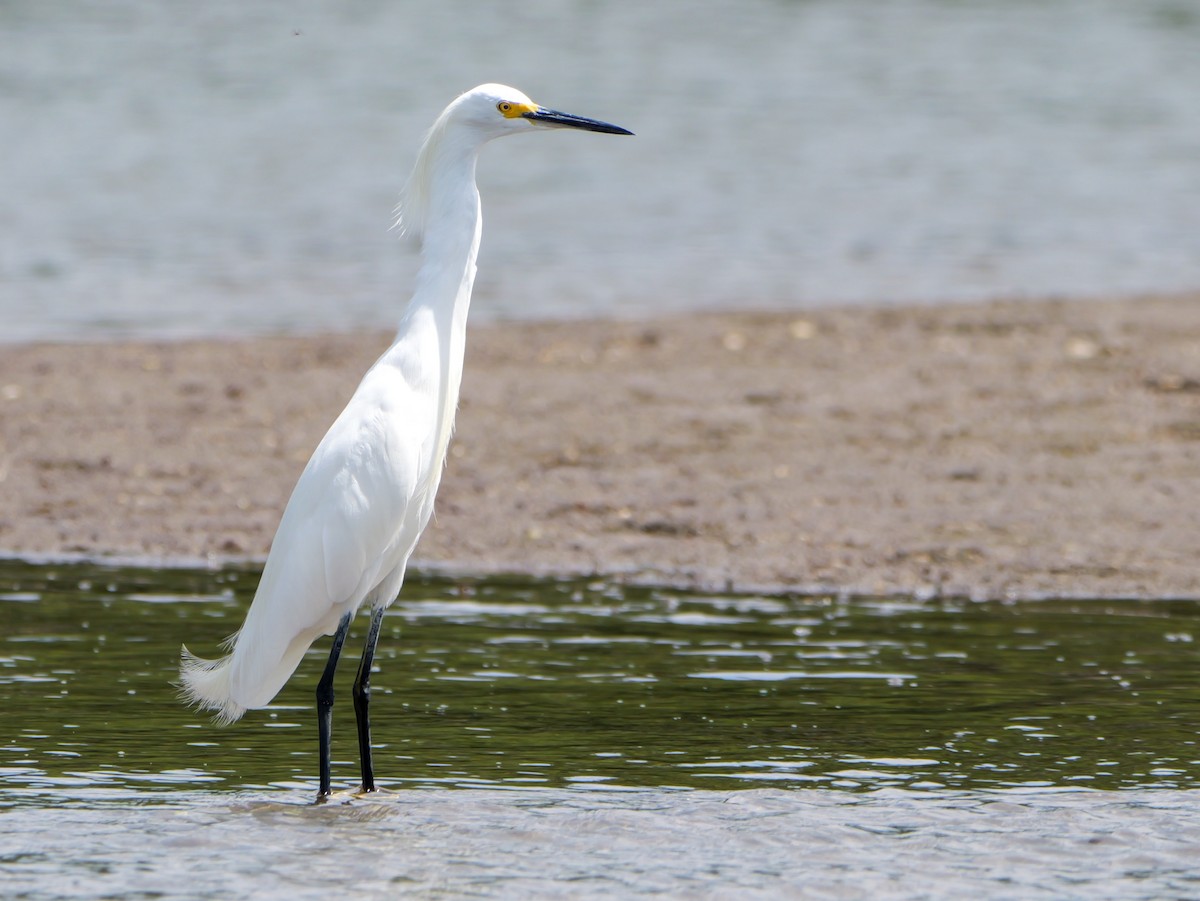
555	119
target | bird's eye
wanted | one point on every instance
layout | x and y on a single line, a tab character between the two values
504	106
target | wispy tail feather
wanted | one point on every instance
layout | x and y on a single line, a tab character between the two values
205	684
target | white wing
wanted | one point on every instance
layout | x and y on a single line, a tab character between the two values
354	516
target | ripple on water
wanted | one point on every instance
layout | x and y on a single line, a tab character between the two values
574	719
888	843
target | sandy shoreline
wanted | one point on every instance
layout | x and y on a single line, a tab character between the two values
1008	449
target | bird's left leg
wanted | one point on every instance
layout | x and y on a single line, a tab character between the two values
325	704
362	698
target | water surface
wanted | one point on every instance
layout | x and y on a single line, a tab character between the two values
231	167
585	739
515	683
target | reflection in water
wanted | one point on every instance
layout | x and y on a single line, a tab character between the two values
603	742
525	683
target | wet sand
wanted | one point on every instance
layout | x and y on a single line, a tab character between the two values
1000	450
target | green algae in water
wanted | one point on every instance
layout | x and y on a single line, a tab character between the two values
525	683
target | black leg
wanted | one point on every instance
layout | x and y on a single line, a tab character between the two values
362	697
325	703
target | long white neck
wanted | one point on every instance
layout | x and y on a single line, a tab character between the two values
447	204
442	206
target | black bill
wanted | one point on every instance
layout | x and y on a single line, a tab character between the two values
566	120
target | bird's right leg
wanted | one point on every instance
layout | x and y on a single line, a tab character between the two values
325	704
362	698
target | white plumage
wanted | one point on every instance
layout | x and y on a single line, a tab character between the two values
367	493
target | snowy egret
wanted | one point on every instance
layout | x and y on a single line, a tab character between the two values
367	492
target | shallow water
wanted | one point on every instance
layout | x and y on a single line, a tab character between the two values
583	738
232	168
763	843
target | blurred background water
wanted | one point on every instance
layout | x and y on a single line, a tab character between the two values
231	168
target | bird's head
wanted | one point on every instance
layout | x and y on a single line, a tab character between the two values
496	110
474	118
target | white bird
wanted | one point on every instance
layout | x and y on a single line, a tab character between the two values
367	493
